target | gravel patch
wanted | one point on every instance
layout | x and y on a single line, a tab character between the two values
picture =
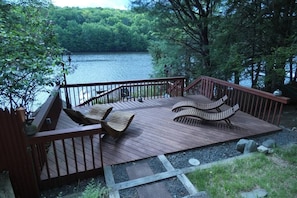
204	155
226	150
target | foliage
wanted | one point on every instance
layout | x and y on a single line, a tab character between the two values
276	174
170	59
263	30
100	29
95	191
29	52
182	29
228	39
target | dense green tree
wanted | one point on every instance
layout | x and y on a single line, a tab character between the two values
226	39
184	24
29	52
263	32
100	29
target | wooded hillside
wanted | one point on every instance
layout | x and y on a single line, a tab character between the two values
100	29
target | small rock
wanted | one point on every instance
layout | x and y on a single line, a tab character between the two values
241	144
270	143
277	92
262	149
250	147
257	193
194	162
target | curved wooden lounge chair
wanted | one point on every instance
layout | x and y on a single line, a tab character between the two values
77	117
117	123
208	116
98	112
201	106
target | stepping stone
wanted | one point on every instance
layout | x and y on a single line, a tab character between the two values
156	190
201	194
257	193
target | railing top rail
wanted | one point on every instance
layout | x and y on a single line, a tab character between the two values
282	99
124	82
64	134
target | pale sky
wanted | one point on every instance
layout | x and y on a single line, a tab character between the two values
116	4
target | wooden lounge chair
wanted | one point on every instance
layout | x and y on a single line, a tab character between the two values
77	117
98	112
208	116
117	123
201	106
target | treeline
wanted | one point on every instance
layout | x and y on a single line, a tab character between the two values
230	40
100	29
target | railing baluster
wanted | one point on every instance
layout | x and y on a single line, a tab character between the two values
252	101
279	113
56	159
269	111
92	150
84	152
260	108
65	156
274	112
74	154
46	165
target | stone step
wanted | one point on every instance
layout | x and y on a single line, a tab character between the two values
142	175
156	189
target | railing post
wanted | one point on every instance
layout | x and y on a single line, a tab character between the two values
17	161
21	113
182	87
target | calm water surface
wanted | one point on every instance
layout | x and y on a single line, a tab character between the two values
110	67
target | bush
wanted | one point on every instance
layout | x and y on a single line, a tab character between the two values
94	190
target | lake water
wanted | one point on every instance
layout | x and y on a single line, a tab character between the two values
110	67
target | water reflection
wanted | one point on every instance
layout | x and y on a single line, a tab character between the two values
110	67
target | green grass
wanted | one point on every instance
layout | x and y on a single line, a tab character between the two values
276	173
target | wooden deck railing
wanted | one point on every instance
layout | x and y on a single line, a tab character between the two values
72	151
260	104
67	142
87	94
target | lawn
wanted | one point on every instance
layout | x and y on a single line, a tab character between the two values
276	173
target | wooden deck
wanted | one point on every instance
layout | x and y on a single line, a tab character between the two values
153	131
